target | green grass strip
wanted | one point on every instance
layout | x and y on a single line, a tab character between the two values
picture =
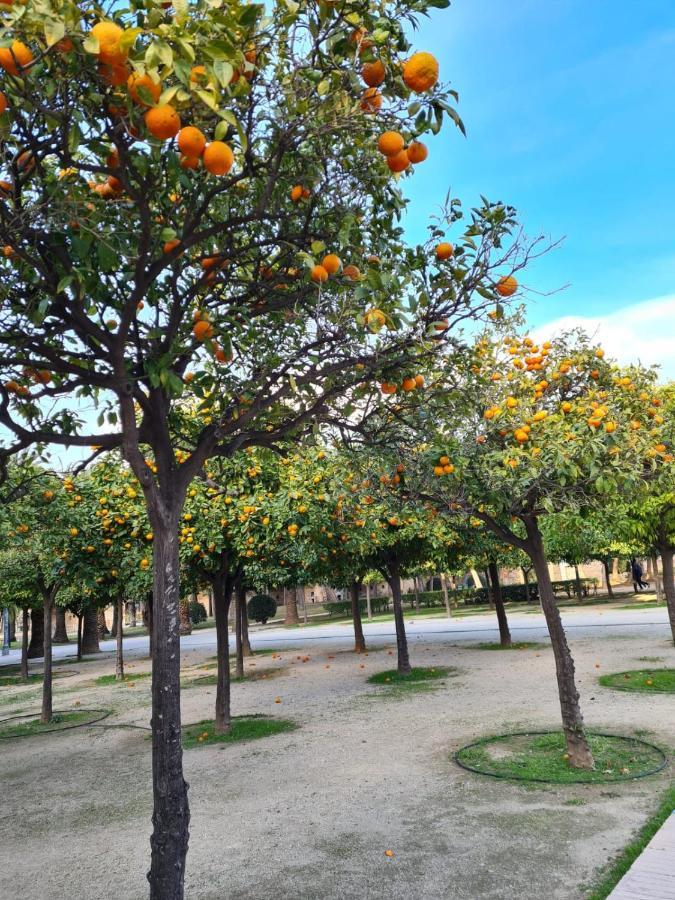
243	728
648	681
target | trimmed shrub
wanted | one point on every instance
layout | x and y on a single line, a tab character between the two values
197	612
261	607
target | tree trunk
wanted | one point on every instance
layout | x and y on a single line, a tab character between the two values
47	714
239	611
116	615
491	599
132	614
79	636
446	596
393	576
37	625
171	811
291	617
416	589
573	723
185	623
498	598
103	630
24	645
210	596
60	635
610	589
12	625
657	582
526	581
222	597
245	641
368	607
90	631
669	584
359	640
119	634
577	582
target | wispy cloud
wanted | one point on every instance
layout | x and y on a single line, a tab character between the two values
642	332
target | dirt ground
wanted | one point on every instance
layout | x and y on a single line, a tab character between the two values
308	814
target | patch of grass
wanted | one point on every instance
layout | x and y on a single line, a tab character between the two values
12	680
244	728
110	679
648	681
543	757
614	871
417	674
650	658
60	721
574	801
643	604
517	645
254	675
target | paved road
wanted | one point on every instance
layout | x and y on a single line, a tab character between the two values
524	627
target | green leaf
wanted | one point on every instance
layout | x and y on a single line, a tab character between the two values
54	31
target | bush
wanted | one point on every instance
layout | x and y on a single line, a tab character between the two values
511	593
197	612
344	607
261	607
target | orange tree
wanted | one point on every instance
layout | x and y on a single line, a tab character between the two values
181	188
521	430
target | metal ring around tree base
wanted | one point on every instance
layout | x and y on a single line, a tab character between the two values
662	765
104	713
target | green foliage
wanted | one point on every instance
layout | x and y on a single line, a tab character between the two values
197	612
261	607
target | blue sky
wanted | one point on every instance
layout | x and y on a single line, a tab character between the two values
569	107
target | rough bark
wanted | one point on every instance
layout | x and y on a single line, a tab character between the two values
239	612
393	576
210	596
222	597
12	625
359	639
577	582
80	618
46	714
185	623
171	812
610	589
573	724
119	636
368	607
669	584
491	599
498	599
37	625
90	631
132	614
24	645
116	615
657	580
245	641
60	635
103	630
446	596
291	617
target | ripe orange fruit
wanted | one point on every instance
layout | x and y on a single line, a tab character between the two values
599	353
218	158
222	356
171	245
191	141
108	35
409	384
351	272
199	75
419	380
189	162
319	274
399	162
507	286
16	57
331	263
371	100
610	427
444	250
388	388
3	103
202	330
390	143
420	72
297	193
147	85
114	74
373	73
163	122
417	152
115	184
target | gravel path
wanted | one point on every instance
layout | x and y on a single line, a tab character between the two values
309	814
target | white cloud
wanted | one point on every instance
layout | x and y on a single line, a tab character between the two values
643	332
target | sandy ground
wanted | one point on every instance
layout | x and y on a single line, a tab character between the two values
308	814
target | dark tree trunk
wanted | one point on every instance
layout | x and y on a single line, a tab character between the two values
116	615
222	597
446	597
393	575
573	723
610	589
80	618
103	630
47	714
171	811
12	625
119	636
498	598
245	641
210	596
132	614
657	582
37	625
491	599
669	583
416	589
526	580
24	645
185	623
291	617
359	639
90	631
577	582
60	634
239	612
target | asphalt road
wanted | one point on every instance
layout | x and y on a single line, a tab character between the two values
524	627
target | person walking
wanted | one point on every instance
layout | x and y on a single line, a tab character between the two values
637	572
